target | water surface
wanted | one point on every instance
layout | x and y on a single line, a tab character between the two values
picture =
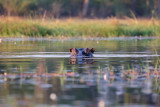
37	72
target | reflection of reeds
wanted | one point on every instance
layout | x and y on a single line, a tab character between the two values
78	27
131	73
157	63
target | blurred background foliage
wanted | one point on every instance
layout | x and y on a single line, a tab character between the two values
80	8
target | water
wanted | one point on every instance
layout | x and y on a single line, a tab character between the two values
37	72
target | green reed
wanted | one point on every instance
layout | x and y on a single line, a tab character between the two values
17	27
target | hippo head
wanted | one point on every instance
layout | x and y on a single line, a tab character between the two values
88	52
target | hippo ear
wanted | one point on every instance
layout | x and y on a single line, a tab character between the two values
77	52
92	50
71	49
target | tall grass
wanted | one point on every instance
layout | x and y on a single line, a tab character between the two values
113	27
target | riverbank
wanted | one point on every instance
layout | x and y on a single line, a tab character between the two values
113	27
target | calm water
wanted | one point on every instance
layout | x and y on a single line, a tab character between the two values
37	72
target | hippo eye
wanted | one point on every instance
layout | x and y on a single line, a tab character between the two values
83	53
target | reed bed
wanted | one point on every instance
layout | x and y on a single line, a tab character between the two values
72	27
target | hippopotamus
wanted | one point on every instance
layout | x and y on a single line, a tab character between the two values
82	52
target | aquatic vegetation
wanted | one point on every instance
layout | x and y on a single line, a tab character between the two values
113	27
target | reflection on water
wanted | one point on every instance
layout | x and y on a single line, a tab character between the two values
39	73
81	60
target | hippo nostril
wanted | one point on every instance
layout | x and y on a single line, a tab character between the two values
86	54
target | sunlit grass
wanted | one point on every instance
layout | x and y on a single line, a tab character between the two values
112	27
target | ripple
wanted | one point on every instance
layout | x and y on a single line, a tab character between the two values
79	38
124	55
34	56
46	85
96	56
